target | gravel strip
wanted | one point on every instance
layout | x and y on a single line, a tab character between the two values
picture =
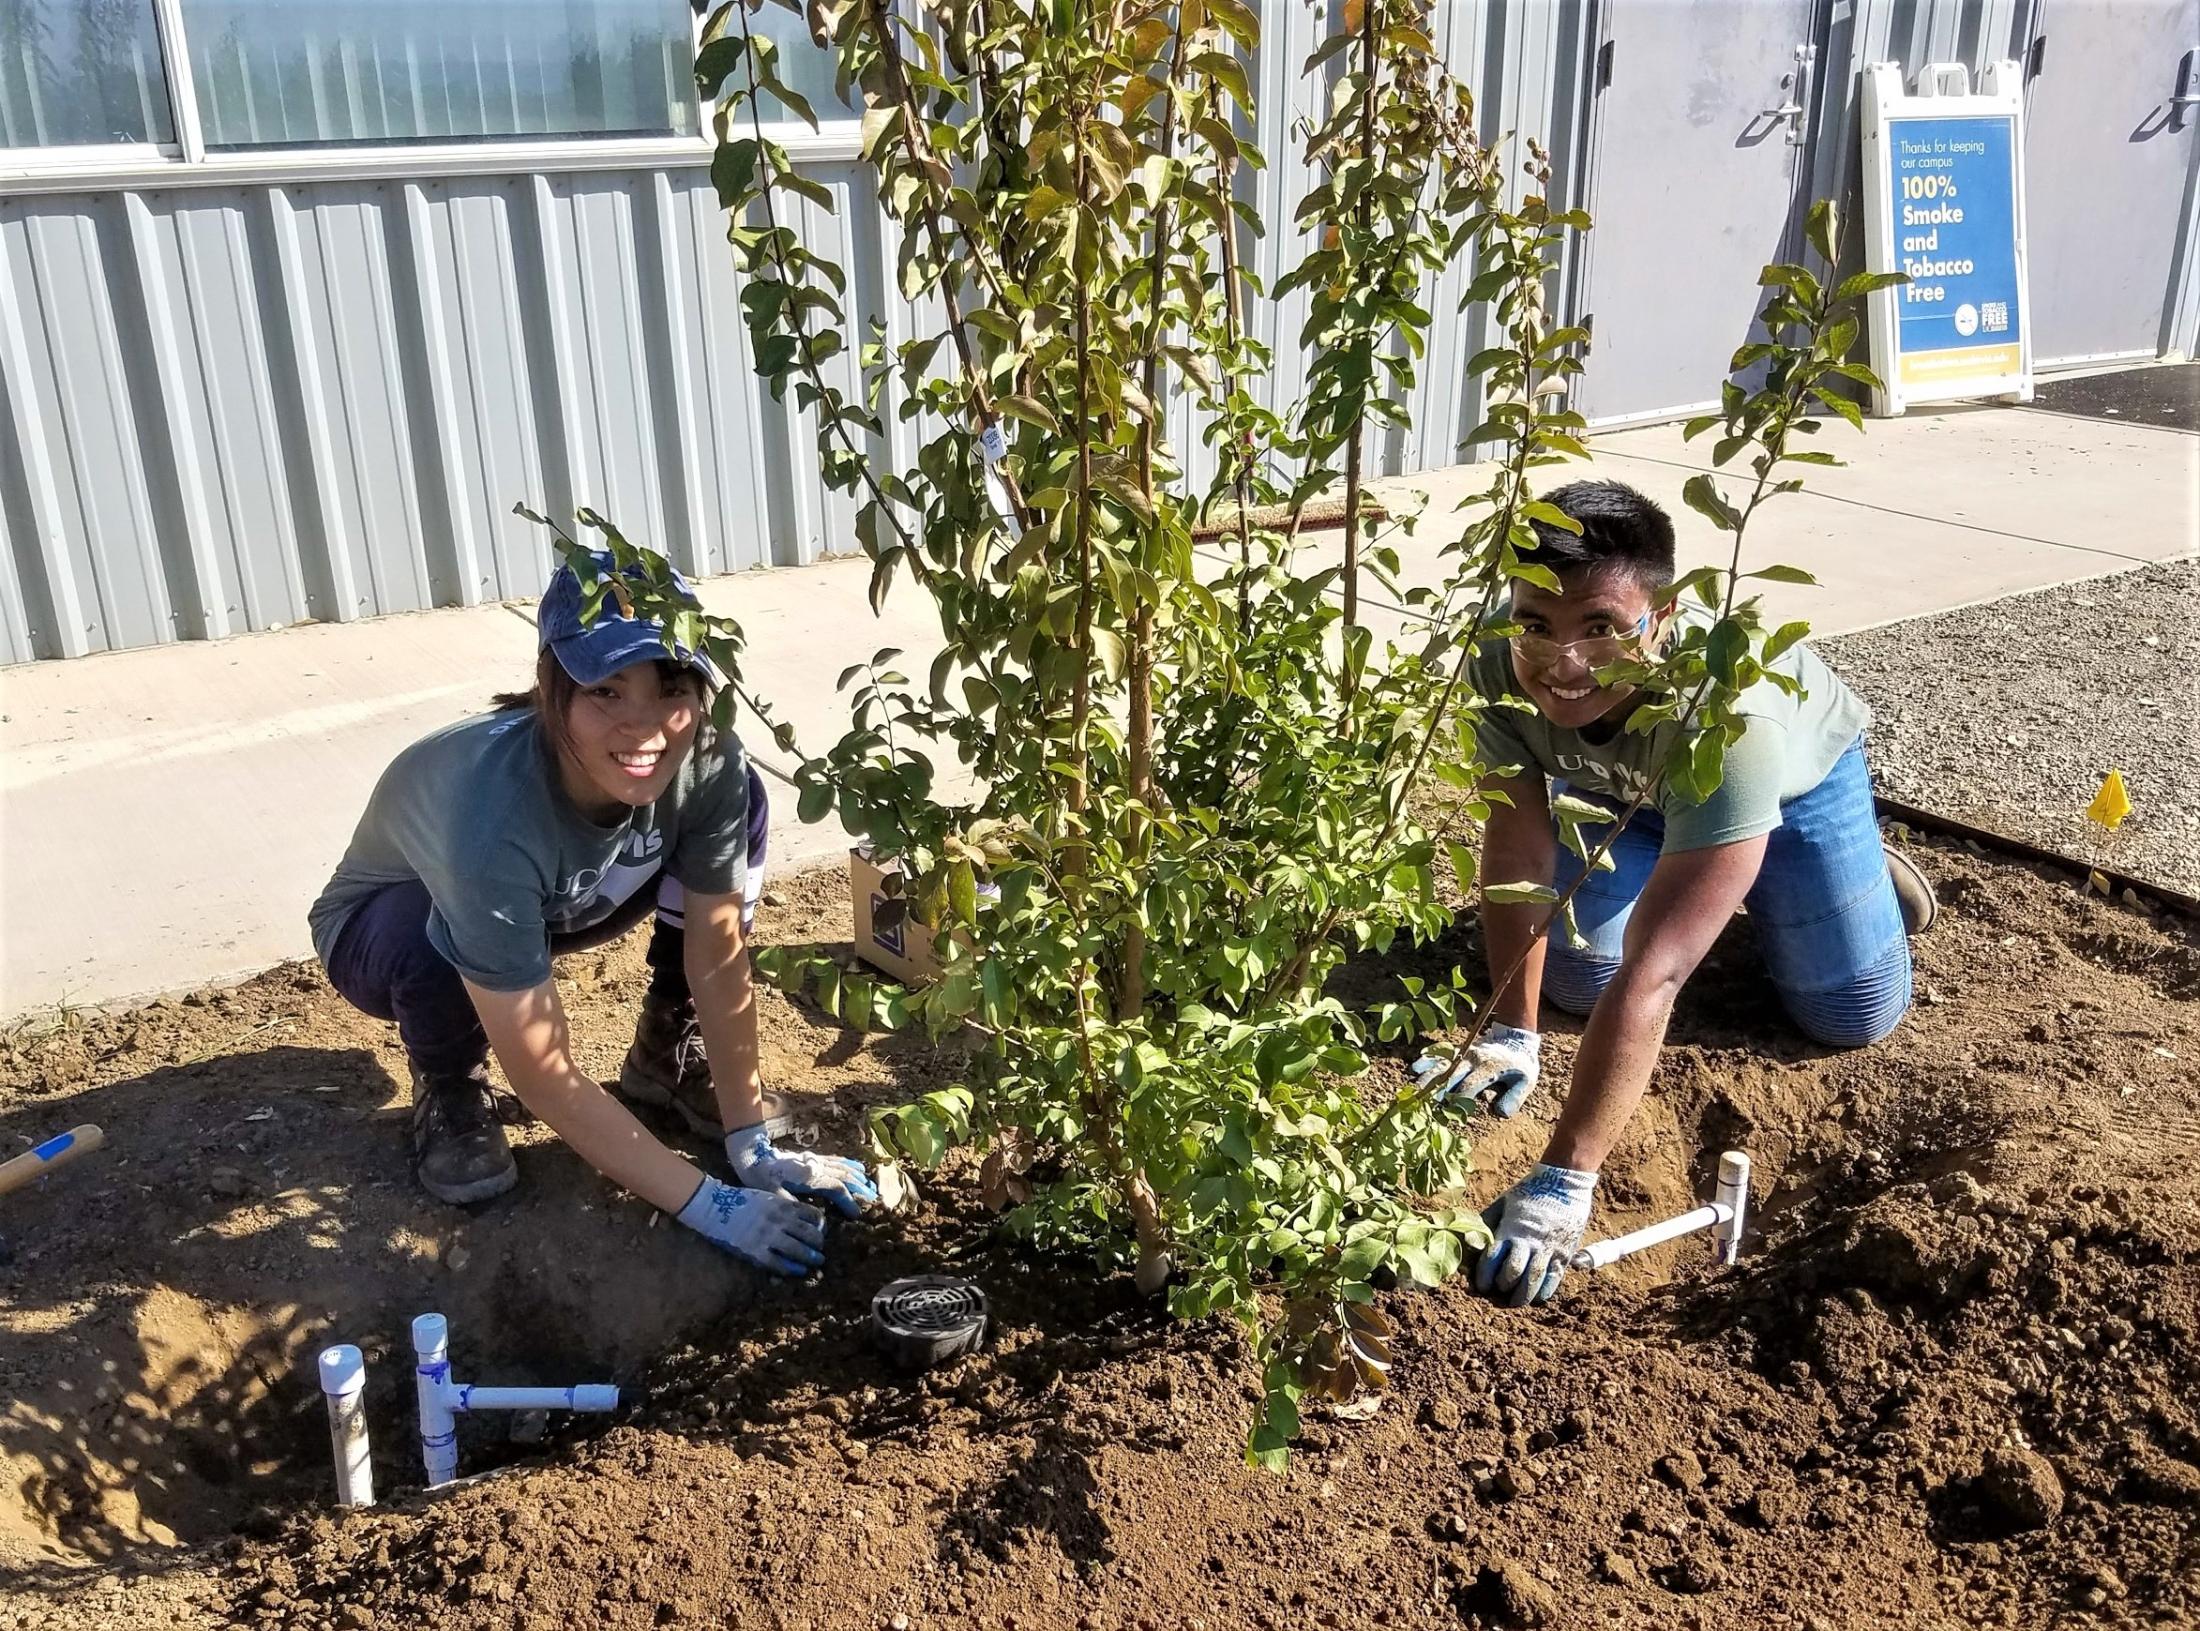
2007	715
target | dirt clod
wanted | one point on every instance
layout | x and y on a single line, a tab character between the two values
1507	1595
2021	1488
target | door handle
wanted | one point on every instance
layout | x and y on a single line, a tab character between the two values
1790	111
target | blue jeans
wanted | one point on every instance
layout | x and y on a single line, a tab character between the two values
384	965
1823	906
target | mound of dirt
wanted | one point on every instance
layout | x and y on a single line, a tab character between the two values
1952	1383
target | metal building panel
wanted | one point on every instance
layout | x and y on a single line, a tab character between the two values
344	265
611	401
742	515
467	238
681	457
1288	98
78	435
825	519
203	275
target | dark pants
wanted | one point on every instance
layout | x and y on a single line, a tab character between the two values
384	965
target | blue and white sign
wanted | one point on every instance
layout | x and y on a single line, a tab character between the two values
1944	202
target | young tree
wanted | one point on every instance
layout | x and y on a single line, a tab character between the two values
1196	780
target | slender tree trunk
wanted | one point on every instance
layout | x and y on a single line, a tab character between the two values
1355	450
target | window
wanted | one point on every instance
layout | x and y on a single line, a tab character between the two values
804	67
289	73
80	73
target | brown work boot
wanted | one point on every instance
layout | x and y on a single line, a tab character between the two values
666	1069
459	1150
1913	892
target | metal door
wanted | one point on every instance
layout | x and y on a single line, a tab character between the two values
1697	123
2112	127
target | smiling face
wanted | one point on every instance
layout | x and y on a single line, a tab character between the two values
1603	615
626	737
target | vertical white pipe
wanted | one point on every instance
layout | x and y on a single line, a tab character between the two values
1733	1194
344	1384
432	1377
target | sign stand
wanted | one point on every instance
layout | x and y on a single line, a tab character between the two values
1944	202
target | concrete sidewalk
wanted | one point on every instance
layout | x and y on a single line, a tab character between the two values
166	816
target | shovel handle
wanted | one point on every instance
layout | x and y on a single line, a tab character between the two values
57	1152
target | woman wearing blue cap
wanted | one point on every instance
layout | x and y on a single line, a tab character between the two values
555	823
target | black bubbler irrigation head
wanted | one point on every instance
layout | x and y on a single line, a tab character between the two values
928	1319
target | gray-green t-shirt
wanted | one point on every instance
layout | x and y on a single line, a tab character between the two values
476	812
1788	746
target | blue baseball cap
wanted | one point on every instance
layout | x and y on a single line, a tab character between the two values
593	652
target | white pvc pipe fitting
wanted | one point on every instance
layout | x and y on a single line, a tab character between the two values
432	1380
442	1400
1725	1217
344	1385
1607	1252
1733	1194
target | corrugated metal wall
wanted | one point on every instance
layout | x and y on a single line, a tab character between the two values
236	408
232	407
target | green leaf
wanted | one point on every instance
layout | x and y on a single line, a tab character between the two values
1781	574
1728	645
1864	283
1549	514
733	172
1226	71
1842	406
1702	495
1031	411
855	1002
1044	201
962	890
1790	277
1782	638
1363	1257
1823	228
1707	763
717	60
1518	894
1238	19
1107	646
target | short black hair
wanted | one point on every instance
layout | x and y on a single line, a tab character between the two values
1619	527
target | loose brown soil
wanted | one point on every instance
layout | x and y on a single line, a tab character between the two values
1956	1381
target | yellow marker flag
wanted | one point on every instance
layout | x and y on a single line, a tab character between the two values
2111	804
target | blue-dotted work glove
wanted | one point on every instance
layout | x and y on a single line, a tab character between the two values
1500	1070
768	1230
1535	1229
760	1164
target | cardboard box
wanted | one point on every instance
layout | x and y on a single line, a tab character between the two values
904	951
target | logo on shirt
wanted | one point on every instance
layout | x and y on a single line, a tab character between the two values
1625	779
594	892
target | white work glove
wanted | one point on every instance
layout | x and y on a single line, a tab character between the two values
769	1230
760	1164
1499	1069
1535	1229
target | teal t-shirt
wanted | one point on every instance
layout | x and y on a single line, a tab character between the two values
1788	746
475	811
